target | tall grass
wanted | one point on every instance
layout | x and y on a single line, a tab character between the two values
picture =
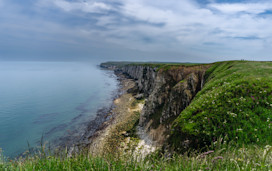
224	157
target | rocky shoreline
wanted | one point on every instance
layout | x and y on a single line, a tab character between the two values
106	118
166	93
111	137
121	106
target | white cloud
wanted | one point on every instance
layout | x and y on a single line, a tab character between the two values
233	8
187	26
179	26
89	6
192	25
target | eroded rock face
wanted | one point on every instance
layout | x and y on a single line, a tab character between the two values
144	75
167	93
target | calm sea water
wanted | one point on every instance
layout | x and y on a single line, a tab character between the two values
48	98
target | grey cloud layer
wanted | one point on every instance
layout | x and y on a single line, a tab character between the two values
185	28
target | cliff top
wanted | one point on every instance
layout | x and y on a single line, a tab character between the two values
235	104
157	65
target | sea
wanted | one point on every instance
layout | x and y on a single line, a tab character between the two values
48	100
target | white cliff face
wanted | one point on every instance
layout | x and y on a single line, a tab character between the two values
167	93
144	75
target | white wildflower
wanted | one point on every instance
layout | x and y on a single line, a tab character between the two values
240	129
233	115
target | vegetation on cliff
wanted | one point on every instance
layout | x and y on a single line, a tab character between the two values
157	65
235	104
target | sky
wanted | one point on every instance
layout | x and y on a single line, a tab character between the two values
135	30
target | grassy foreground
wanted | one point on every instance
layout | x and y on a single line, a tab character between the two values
224	157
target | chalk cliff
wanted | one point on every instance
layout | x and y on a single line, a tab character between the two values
167	90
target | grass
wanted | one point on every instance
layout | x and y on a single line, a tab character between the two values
157	65
224	157
235	103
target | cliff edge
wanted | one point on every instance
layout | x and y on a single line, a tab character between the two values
168	89
193	106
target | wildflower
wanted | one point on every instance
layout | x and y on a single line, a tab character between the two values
233	114
206	153
217	158
267	146
239	129
240	159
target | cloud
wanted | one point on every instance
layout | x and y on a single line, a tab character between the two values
234	8
192	24
210	30
89	6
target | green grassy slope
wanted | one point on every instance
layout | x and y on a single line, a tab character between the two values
235	104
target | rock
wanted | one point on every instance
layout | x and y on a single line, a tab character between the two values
125	134
167	93
139	96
